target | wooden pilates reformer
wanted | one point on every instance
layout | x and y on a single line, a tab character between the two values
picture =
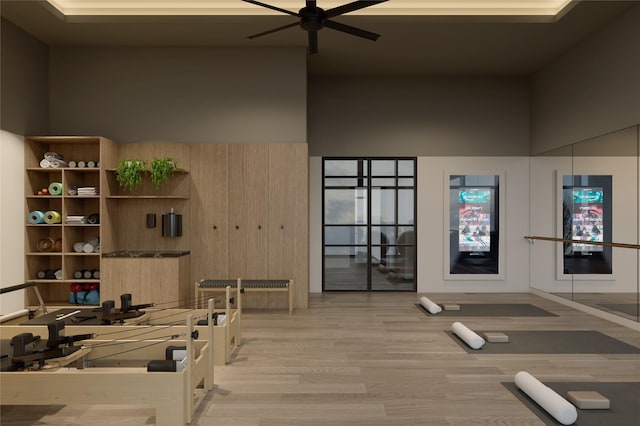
99	376
227	327
212	286
227	332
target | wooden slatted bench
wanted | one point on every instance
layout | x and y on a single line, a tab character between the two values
247	286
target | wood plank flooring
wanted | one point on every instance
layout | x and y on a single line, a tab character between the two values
372	359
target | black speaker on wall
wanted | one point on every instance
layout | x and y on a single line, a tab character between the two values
151	220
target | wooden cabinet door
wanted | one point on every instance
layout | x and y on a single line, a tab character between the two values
209	211
288	219
248	210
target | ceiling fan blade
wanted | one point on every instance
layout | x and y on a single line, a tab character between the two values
351	30
313	42
268	6
284	27
350	7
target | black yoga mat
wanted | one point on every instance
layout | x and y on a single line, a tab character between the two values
625	308
551	342
493	310
624	411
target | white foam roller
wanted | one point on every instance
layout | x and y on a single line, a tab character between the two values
430	306
470	337
558	407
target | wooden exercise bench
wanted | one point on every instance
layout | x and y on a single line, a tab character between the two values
247	286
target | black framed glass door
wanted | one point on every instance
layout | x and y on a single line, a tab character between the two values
369	211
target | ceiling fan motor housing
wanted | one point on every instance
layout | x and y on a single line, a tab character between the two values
312	18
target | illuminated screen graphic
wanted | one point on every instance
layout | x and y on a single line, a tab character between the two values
586	218
474	220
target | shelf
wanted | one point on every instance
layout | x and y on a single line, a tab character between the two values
178	171
73	148
147	197
81	280
44	169
91	140
66	169
57	304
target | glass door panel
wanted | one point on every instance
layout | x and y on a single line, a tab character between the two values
369	221
345	268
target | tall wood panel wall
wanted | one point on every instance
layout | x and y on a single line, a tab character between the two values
249	205
126	216
245	214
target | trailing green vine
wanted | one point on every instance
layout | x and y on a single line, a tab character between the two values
161	170
129	173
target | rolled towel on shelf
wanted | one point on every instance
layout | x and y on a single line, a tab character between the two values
55	188
46	244
45	164
36	217
58	164
558	407
52	217
469	336
53	156
430	306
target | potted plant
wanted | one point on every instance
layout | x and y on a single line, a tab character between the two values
129	173
161	170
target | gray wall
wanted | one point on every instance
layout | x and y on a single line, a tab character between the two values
419	116
180	94
591	90
24	89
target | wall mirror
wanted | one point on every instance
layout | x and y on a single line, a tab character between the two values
585	200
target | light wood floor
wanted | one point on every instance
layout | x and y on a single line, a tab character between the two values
372	360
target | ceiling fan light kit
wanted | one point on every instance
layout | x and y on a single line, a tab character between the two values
312	19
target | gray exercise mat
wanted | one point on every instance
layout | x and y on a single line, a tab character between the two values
551	342
625	308
624	397
493	310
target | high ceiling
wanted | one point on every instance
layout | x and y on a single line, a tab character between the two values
410	45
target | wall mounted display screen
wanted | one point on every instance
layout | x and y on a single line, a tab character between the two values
474	219
586	206
473	224
587	220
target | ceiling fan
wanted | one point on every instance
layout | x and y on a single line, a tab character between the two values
313	18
